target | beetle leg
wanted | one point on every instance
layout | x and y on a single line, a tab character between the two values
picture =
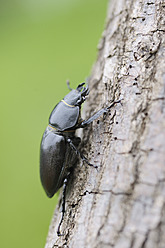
80	154
98	114
76	140
63	205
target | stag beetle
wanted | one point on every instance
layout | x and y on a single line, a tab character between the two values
59	145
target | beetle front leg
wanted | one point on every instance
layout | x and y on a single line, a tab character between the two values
97	115
63	206
80	154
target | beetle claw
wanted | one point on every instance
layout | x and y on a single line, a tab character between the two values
60	234
86	161
114	102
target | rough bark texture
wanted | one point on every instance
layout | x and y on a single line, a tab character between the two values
122	204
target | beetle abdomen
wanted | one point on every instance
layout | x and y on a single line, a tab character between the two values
52	159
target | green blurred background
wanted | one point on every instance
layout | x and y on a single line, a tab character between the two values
42	44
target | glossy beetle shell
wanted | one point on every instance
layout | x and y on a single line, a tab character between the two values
52	156
57	156
63	116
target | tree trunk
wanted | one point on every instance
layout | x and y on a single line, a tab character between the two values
122	204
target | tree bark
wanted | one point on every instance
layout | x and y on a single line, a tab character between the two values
122	204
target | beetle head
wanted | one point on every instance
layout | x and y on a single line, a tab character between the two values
78	96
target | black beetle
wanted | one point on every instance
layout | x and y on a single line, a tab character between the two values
59	144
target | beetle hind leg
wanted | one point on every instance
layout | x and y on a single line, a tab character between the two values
84	159
63	206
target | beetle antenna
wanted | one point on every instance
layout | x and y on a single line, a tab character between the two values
68	85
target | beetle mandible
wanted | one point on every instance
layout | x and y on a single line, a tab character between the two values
59	142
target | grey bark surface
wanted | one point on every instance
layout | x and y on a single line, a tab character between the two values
122	204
